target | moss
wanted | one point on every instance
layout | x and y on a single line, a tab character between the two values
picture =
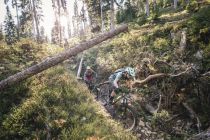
66	107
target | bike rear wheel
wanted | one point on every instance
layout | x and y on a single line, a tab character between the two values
103	98
125	115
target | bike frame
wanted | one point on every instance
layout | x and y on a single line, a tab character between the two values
124	97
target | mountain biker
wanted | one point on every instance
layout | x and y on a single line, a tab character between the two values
127	74
89	76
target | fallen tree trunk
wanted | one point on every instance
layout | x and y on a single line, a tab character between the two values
50	62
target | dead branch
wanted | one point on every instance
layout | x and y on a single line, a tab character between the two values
173	117
161	75
149	78
159	103
181	73
206	74
162	62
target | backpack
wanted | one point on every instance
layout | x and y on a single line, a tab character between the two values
123	70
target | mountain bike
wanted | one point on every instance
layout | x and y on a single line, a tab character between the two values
121	109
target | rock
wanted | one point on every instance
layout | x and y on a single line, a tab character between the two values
199	55
83	119
2	68
154	133
183	41
149	132
141	123
148	125
143	131
138	135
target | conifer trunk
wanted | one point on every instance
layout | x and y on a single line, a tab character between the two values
175	4
147	8
112	26
36	20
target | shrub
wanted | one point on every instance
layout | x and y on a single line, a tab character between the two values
192	6
161	44
142	19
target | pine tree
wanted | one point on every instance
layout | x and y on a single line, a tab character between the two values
10	28
16	5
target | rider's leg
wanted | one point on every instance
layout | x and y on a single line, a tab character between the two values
112	96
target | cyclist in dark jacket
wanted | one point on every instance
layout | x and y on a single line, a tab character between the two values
89	76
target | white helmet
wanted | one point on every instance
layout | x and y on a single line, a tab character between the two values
131	71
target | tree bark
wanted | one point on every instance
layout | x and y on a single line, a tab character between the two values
32	13
50	62
175	4
59	23
112	26
36	20
147	7
18	25
102	21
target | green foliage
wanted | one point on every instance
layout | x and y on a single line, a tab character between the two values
21	55
164	3
55	33
159	117
142	19
199	26
94	9
10	28
51	103
154	11
26	17
127	14
161	44
206	61
63	106
192	6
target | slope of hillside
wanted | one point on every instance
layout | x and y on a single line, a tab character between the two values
50	105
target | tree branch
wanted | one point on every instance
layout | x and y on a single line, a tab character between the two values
149	78
161	75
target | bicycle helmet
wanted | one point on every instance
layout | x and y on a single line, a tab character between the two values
131	71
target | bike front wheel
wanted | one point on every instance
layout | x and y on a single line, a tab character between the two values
125	115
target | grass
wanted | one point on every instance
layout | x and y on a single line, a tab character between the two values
58	101
50	104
